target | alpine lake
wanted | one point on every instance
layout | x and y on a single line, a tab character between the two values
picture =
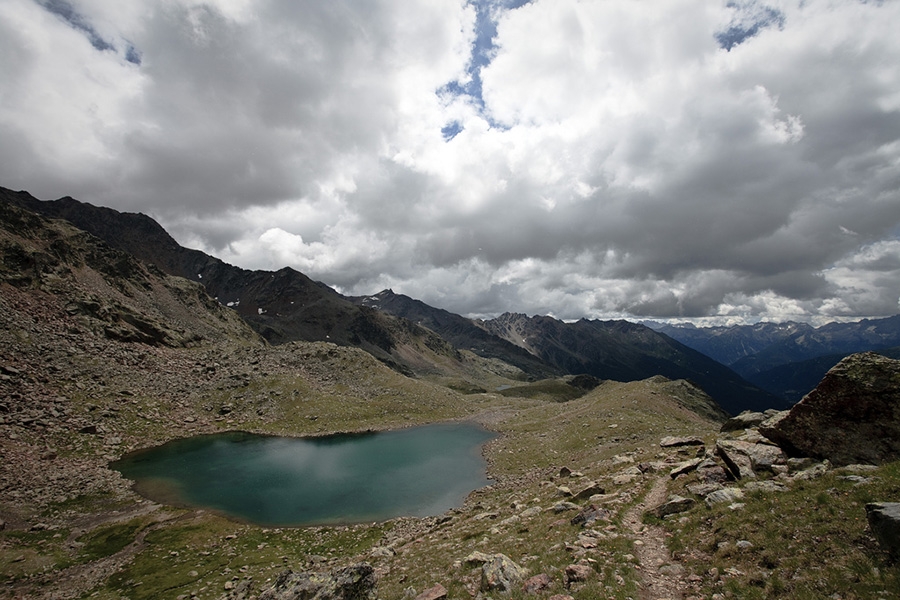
335	479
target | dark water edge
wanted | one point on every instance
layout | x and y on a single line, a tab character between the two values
330	480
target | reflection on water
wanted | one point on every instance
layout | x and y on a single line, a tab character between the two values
338	479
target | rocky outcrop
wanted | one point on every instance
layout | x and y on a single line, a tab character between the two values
356	582
884	520
746	459
853	415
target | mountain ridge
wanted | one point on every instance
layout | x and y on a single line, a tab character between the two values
286	305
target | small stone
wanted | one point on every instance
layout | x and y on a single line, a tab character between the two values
767	486
745	420
564	506
724	495
477	558
500	574
577	573
537	584
589	515
703	489
436	592
674	442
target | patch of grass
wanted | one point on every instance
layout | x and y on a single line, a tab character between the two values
812	541
24	553
106	541
199	557
553	390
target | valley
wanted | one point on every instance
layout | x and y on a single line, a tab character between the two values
102	354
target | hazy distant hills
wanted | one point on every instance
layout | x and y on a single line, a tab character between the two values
789	359
407	334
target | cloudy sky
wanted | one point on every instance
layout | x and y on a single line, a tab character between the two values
592	158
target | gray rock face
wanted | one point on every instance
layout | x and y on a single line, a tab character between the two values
853	415
356	582
884	520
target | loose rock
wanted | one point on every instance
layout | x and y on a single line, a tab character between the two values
884	520
436	592
675	504
501	574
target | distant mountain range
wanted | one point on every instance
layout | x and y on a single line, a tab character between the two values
789	359
418	339
617	350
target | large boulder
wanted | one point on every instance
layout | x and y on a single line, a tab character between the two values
853	415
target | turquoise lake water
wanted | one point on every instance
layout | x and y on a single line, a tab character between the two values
348	478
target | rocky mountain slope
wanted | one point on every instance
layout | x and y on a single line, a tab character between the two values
282	306
462	333
406	334
107	292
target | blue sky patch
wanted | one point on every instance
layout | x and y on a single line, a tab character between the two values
67	13
749	19
486	13
451	130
